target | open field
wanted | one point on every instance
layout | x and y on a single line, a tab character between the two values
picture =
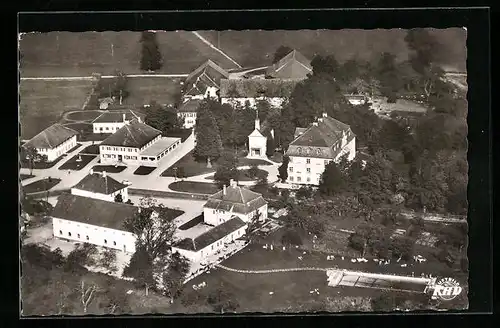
194	187
256	48
81	54
74	164
190	167
43	102
143	90
41	185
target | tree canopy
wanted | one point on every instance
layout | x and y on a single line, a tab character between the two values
208	139
227	168
281	52
151	58
161	118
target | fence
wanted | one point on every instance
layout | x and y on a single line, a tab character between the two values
166	194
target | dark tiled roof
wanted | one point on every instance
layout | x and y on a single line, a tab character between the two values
135	134
321	140
98	184
292	66
51	137
189	106
253	88
207	75
237	199
116	116
93	211
211	236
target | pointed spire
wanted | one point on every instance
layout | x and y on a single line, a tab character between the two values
257	121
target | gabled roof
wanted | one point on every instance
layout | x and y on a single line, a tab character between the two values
97	183
190	106
237	199
211	236
135	134
292	66
256	133
321	139
254	88
51	137
207	75
93	211
116	116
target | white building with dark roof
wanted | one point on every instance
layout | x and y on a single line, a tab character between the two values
316	146
136	143
204	81
292	66
100	186
93	221
257	142
54	141
111	121
187	112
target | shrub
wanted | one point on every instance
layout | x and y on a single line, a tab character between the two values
291	237
253	171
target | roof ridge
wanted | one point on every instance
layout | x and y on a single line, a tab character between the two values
241	194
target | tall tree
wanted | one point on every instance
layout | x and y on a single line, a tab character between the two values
161	118
325	65
208	140
281	52
332	180
283	169
227	168
153	227
31	155
151	58
174	276
223	300
140	268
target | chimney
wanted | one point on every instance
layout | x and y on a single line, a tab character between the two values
257	121
123	115
324	114
139	119
103	174
224	190
272	133
91	171
232	183
320	119
315	123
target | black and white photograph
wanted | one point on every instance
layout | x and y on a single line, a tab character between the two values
243	171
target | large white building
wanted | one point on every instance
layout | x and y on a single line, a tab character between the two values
100	186
325	140
187	112
53	142
229	210
93	221
136	143
204	82
239	92
111	121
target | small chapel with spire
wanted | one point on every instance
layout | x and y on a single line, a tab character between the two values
257	142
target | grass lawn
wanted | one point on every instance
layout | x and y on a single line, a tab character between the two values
108	168
144	170
41	185
194	187
243	175
25	176
143	90
243	161
82	128
74	164
88	115
42	103
192	223
42	165
190	166
91	150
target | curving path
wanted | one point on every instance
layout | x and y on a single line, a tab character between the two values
273	270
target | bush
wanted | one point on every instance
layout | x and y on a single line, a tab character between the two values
108	259
291	237
253	171
304	192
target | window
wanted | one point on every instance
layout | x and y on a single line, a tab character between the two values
291	178
60	232
308	179
114	243
308	161
105	241
290	169
326	162
212	247
78	236
299	179
87	237
107	128
69	234
100	129
308	170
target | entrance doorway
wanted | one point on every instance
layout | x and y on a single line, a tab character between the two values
120	158
256	151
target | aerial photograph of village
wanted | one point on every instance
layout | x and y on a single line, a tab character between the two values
219	172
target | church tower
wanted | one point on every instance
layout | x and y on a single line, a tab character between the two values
257	142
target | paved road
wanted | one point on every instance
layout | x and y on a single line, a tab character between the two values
215	48
85	78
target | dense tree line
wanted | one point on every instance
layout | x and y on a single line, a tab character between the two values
151	58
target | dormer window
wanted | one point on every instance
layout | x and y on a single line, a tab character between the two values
299	150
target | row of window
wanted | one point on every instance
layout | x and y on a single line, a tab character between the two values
86	237
114	128
188	114
120	149
299	179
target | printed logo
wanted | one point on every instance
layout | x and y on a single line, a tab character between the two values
446	289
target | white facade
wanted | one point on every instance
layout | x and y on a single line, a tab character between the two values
211	92
188	119
276	102
107	127
197	256
257	143
55	153
308	170
91	234
136	156
109	198
216	217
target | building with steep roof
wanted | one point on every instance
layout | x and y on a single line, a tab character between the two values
111	121
136	143
100	186
234	200
257	142
292	66
54	141
241	91
187	112
204	81
93	221
314	147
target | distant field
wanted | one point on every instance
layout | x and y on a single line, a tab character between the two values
80	54
144	90
43	102
256	48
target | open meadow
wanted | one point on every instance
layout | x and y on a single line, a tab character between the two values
143	90
42	103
